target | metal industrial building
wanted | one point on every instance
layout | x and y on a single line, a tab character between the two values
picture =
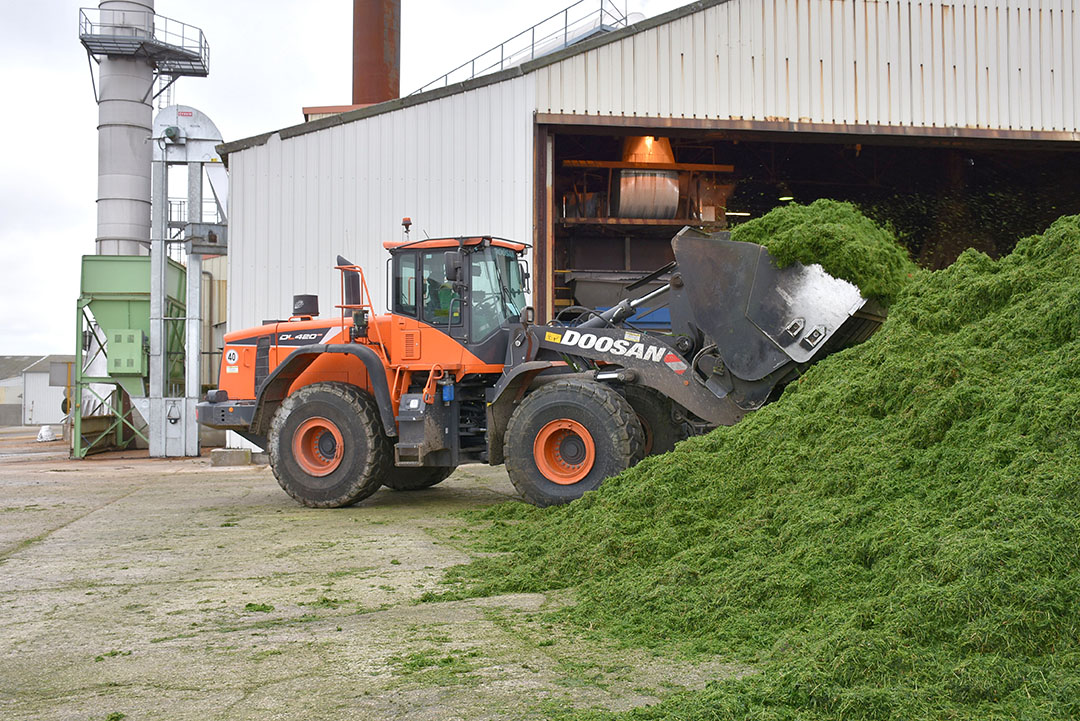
859	99
33	389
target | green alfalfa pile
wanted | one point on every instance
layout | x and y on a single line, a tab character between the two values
895	538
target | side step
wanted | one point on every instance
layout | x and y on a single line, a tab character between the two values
408	455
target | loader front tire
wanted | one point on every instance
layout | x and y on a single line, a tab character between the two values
566	437
415	479
327	445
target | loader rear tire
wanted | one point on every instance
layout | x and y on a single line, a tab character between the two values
654	412
327	445
566	437
415	479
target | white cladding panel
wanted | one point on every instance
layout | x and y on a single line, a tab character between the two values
41	402
460	165
991	64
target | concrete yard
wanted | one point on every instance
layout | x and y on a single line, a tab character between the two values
167	589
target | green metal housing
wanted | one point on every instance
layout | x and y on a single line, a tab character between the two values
114	309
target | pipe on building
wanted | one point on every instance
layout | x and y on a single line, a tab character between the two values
376	51
124	128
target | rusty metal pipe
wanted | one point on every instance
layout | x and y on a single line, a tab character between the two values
376	51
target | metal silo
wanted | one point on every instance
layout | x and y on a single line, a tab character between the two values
125	300
125	116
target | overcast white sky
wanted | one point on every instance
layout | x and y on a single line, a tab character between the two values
268	59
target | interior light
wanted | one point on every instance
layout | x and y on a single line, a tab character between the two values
738	214
786	198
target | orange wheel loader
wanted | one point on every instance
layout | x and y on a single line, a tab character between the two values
456	371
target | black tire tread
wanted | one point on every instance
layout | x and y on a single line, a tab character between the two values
648	402
519	466
416	479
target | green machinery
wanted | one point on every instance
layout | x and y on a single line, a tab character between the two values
112	369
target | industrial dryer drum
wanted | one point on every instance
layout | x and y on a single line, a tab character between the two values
643	193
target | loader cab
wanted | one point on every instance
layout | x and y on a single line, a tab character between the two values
471	289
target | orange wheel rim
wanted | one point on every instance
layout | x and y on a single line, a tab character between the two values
318	447
564	451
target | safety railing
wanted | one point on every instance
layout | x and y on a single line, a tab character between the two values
116	23
577	22
175	47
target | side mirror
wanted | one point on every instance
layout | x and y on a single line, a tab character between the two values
523	266
453	261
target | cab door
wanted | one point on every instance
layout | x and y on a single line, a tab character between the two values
427	310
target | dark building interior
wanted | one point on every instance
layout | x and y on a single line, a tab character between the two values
940	196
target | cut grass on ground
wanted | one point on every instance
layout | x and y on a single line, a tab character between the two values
895	538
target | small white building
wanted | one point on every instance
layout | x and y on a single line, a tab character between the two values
46	384
29	393
11	387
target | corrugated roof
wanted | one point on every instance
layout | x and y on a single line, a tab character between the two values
42	366
12	366
525	68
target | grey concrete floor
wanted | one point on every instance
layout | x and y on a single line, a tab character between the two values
167	589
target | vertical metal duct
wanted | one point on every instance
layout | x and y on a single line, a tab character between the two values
376	51
125	117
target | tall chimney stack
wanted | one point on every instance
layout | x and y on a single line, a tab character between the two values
376	51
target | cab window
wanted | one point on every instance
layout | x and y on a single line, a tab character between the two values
497	290
405	284
441	304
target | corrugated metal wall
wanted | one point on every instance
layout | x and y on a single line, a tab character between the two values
459	165
41	402
991	64
464	163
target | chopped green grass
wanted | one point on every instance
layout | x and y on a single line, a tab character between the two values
324	602
895	538
838	237
437	668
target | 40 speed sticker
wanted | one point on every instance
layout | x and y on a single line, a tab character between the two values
616	346
232	356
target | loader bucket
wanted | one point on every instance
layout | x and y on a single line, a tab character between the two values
762	317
